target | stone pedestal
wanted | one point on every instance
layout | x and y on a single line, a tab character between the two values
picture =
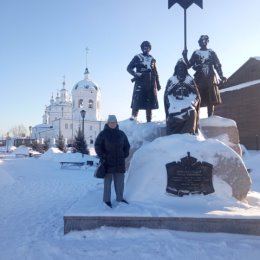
222	129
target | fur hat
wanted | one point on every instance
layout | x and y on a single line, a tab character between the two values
112	118
203	37
146	43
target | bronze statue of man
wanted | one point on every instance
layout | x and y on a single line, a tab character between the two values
181	102
204	61
143	68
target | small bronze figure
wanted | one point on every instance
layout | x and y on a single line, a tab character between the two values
142	67
204	61
181	102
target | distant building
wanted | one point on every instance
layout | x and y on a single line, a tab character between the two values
2	143
22	141
249	71
63	115
241	97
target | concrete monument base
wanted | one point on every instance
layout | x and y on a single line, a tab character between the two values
209	225
174	214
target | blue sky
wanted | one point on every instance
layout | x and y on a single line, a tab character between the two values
42	40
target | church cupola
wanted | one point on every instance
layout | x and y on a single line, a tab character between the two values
52	100
57	100
64	94
86	95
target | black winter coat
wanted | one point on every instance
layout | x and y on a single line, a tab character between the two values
112	147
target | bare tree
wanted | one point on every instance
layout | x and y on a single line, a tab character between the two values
18	131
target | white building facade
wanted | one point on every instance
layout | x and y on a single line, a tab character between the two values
63	115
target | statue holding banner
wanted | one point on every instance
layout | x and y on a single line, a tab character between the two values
205	62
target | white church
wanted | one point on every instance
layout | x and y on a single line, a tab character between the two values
68	113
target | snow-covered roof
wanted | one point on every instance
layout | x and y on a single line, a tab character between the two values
242	85
85	84
43	126
217	121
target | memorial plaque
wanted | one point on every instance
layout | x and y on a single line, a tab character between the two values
188	176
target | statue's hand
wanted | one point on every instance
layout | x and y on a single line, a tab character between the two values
185	54
223	79
159	87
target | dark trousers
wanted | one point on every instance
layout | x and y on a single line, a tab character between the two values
118	184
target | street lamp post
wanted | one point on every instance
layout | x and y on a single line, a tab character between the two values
83	113
30	131
8	138
59	128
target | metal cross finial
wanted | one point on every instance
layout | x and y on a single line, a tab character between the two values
63	83
87	50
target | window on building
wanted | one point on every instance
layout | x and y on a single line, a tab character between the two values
80	104
66	126
71	126
91	128
90	103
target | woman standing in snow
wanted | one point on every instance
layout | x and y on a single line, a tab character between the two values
112	147
204	61
142	67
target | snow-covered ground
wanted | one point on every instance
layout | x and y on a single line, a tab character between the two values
35	193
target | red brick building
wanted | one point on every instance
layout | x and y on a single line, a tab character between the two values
241	102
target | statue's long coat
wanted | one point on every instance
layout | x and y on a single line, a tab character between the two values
204	62
147	84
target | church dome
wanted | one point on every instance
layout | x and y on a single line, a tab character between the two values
85	84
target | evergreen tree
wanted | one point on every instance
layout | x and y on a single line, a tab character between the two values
41	148
61	143
36	146
46	145
80	143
